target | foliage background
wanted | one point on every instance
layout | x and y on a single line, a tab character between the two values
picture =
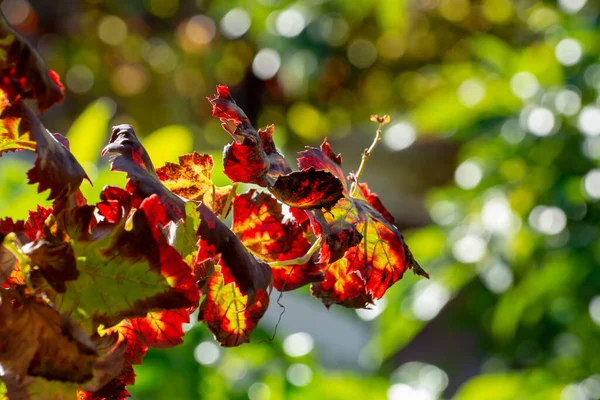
490	166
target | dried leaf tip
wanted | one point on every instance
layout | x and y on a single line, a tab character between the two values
381	120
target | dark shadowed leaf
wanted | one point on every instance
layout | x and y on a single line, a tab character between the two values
131	157
55	168
23	73
308	189
36	340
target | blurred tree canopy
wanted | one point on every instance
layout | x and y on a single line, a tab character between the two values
492	157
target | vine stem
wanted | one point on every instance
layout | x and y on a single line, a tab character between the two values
367	152
300	260
228	201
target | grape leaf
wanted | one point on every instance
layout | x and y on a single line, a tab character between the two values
259	223
131	157
230	314
308	189
55	168
191	179
36	340
134	352
161	329
126	273
254	158
23	73
53	255
363	252
236	293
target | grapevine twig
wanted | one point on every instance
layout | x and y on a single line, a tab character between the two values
367	152
300	260
229	201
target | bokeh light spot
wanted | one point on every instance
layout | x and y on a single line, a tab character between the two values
589	121
235	23
568	52
468	174
299	374
362	53
540	121
524	85
591	183
206	353
548	220
80	79
471	92
290	23
266	63
567	102
399	136
298	344
112	30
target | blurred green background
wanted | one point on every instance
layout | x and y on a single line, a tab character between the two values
490	166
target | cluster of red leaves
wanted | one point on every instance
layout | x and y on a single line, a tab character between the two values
86	289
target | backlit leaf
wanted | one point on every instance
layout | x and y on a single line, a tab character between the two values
126	273
236	293
259	223
254	158
161	329
230	314
362	252
134	352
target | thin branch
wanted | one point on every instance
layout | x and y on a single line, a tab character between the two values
300	260
367	152
229	201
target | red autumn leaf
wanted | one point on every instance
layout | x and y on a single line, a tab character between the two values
115	205
161	329
191	179
35	221
254	158
23	73
135	350
259	223
55	168
228	313
308	189
362	253
374	200
236	293
322	158
132	158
